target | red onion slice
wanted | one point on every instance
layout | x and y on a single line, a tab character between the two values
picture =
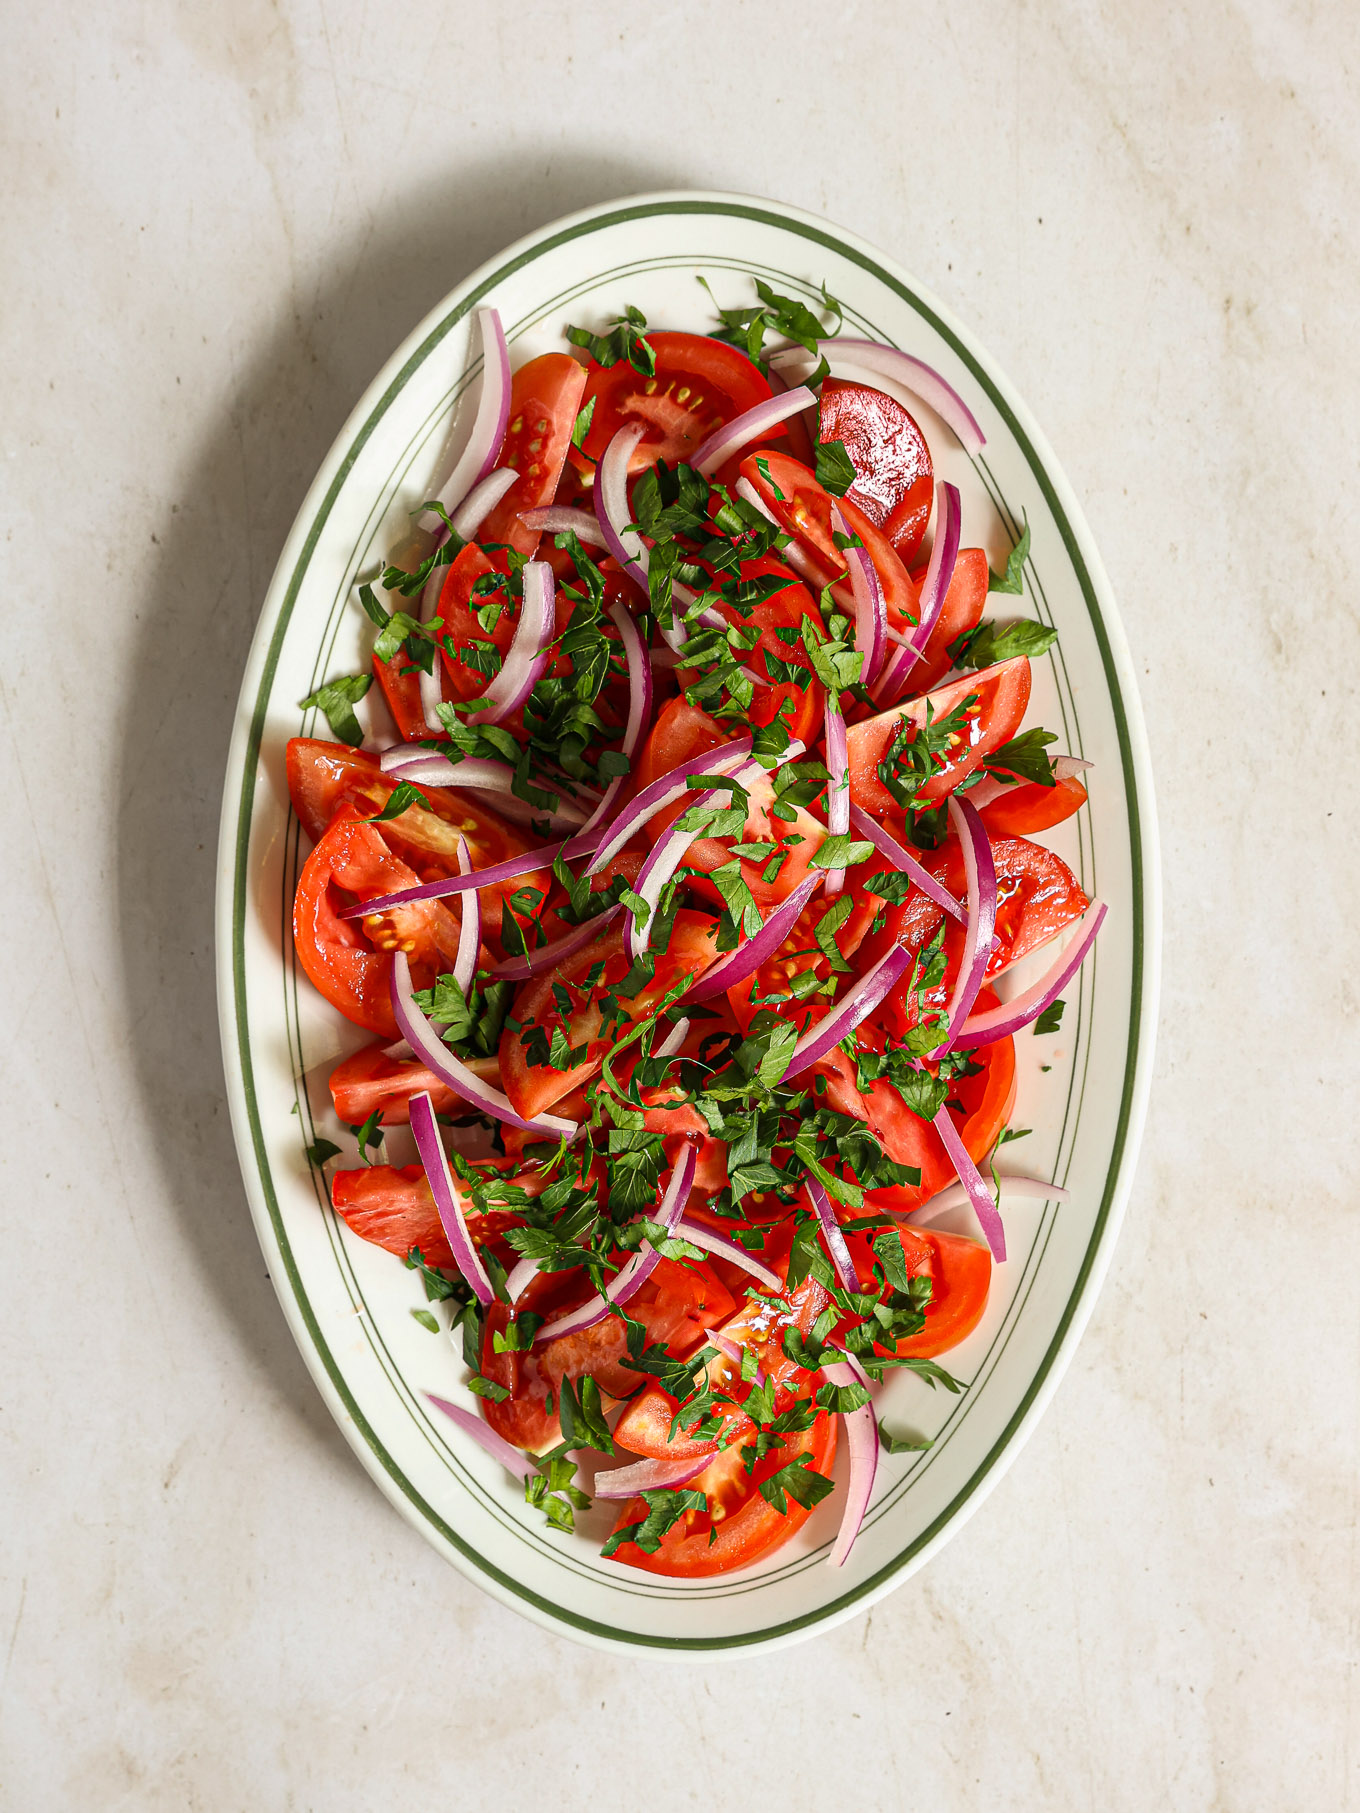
557	519
943	555
514	1460
638	1269
1001	1022
673	1040
992	787
519	1278
861	1434
433	1052
725	441
915	375
480	502
792	555
664	791
838	786
733	1351
548	956
954	1196
849	1012
980	870
431	1148
663	859
721	1247
970	1177
871	613
470	928
509	870
493	413
649	1476
528	654
902	860
737	965
612	508
484	775
832	1234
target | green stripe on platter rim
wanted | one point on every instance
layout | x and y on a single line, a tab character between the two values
551	1612
535	1538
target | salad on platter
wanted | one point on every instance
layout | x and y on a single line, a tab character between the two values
669	854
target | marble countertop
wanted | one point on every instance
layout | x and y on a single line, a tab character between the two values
216	223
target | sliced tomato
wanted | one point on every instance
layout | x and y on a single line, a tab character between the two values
1002	695
964	602
463	630
784	611
400	685
1024	809
534	1087
979	1106
545	397
698	385
682	731
803	507
776	983
392	1207
323	777
370	1082
349	961
894	479
675	1305
960	1273
740	1524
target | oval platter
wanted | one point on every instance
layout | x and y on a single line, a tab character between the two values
1083	1092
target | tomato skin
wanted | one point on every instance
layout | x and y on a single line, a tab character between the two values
392	1207
674	1305
895	481
748	1525
369	1081
339	955
532	1088
961	1278
1021	811
1003	696
699	384
964	602
545	396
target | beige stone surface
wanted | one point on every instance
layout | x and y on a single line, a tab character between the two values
217	222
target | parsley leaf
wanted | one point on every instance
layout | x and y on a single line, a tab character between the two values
623	341
336	700
1051	1018
992	642
320	1151
904	1444
1024	755
665	1508
1013	578
841	852
799	1481
581	426
835	470
404	795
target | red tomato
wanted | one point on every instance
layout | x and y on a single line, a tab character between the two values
545	398
799	953
322	777
784	611
456	605
349	961
532	1088
682	731
1002	696
801	506
675	1305
894	479
400	685
1022	810
961	1276
369	1081
392	1207
964	602
740	1525
699	384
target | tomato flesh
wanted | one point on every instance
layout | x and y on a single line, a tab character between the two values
545	396
1002	696
698	385
894	479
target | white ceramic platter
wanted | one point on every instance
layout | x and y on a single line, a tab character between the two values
349	1304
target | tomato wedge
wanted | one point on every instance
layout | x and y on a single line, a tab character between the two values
323	777
964	602
370	1082
392	1207
894	479
349	961
1029	807
698	385
545	396
740	1524
784	611
1002	696
675	1305
537	1010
